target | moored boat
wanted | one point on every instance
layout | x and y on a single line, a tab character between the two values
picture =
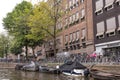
45	69
74	68
102	75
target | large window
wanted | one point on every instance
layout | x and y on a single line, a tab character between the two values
111	25
82	14
70	4
100	28
77	16
71	37
73	18
74	36
99	6
77	35
83	33
70	20
66	38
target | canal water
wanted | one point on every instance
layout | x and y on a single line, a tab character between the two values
11	74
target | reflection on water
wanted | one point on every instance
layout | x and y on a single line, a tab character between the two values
11	74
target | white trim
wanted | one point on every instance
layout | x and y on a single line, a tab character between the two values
101	44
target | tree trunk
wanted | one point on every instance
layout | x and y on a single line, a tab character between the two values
26	48
33	52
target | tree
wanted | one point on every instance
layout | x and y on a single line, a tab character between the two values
44	19
16	23
4	43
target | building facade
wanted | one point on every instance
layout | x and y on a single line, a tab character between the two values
76	28
106	15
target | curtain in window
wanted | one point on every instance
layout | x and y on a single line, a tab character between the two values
66	21
83	33
82	13
70	3
70	19
77	35
77	15
74	36
99	4
73	17
111	24
100	28
66	38
109	2
70	37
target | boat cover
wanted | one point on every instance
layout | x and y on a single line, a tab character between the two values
70	65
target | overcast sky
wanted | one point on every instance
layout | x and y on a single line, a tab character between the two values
7	6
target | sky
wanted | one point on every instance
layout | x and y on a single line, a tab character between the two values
7	6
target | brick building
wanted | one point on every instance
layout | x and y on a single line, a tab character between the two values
107	26
76	28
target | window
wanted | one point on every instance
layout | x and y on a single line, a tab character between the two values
99	6
100	29
59	26
82	14
70	38
73	18
74	2
83	34
77	16
66	21
111	25
66	39
70	19
74	36
77	35
118	2
81	1
77	2
119	22
70	5
108	4
66	8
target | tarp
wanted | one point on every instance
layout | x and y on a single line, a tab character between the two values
70	65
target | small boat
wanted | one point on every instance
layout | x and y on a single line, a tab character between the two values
19	67
74	68
101	75
45	69
31	67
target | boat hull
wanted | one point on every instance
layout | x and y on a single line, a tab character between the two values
75	72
